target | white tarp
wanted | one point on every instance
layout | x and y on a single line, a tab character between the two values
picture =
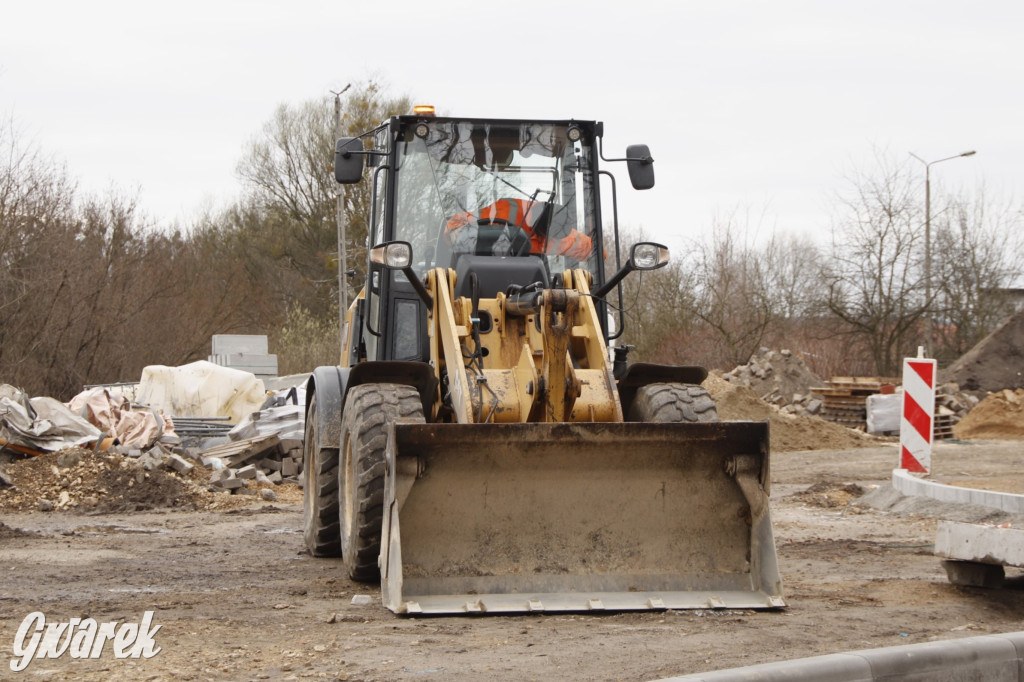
41	423
201	389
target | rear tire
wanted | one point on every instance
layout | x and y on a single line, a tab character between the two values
321	529
672	403
369	408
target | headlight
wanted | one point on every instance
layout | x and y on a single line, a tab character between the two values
649	256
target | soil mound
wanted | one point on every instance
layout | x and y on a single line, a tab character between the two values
789	433
1000	416
107	482
995	363
94	481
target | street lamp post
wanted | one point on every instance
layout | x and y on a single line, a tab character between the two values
928	242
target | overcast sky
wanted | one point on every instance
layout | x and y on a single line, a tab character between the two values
761	107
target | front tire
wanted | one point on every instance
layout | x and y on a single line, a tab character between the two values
369	408
672	403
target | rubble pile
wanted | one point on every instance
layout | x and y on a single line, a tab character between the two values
788	432
264	448
114	481
96	481
951	406
998	416
54	467
950	400
780	378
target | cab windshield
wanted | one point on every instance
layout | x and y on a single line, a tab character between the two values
495	189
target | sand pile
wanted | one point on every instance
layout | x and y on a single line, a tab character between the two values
788	432
1000	416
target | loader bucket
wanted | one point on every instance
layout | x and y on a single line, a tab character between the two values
508	518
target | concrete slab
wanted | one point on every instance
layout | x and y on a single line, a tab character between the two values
980	544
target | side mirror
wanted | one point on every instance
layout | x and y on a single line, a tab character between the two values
398	256
348	166
640	166
643	256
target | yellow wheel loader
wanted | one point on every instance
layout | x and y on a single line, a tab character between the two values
483	447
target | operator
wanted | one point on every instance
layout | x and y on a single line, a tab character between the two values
525	214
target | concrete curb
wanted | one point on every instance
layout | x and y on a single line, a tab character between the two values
994	658
909	485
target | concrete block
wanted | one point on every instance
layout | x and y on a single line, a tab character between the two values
231	483
289	467
151	460
289	444
270	464
262	478
179	464
248	471
239	343
275	477
244	431
221	475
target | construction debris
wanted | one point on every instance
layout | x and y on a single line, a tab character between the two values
113	481
781	378
154	471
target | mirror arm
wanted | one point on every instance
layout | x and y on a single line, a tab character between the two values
646	160
614	280
417	284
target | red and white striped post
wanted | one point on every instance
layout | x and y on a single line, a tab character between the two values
918	415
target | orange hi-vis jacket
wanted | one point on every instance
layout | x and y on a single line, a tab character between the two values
514	212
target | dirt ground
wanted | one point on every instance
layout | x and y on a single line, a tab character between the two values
237	597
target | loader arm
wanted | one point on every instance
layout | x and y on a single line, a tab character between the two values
543	359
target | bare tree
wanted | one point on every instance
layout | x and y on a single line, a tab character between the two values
874	282
734	294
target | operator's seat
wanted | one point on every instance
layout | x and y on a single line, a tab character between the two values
496	273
